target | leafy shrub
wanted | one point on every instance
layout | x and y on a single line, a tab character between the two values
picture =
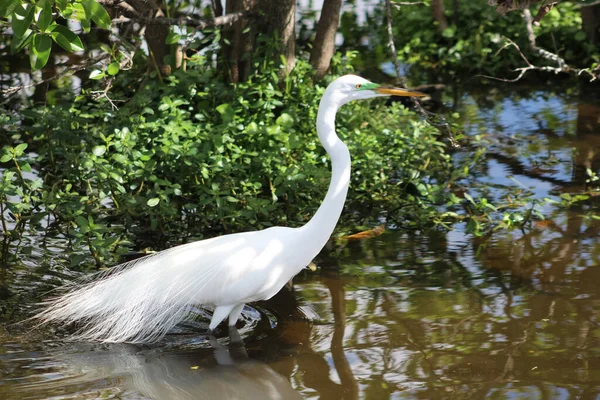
195	157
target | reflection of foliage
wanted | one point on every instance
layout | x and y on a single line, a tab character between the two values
425	313
534	160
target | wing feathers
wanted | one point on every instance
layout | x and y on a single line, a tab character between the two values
138	301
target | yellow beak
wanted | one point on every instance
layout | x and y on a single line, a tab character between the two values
392	91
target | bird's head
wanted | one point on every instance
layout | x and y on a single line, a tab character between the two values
352	87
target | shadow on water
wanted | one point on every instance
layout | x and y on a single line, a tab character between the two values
406	314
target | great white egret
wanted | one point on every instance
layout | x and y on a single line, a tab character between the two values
140	301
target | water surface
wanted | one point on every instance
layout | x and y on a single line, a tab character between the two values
402	315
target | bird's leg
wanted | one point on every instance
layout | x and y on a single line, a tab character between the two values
237	349
235	314
222	355
234	336
221	312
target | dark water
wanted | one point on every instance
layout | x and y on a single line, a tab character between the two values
402	315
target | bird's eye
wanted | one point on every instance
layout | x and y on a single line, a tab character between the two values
358	85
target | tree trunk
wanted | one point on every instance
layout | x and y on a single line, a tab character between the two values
590	17
239	41
280	23
437	8
155	34
278	20
324	43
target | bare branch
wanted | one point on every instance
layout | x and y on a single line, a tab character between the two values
197	23
407	3
504	6
564	68
562	65
545	9
67	72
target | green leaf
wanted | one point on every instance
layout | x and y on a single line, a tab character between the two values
85	25
153	202
25	167
39	51
227	112
7	7
99	151
469	197
62	4
285	120
106	48
21	19
80	13
19	149
449	32
44	14
252	127
96	13
113	68
172	38
19	43
96	74
66	38
82	222
232	199
5	158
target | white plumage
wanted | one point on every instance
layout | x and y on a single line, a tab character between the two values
141	301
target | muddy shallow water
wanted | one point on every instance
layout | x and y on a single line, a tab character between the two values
401	315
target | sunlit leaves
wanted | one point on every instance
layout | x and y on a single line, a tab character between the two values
21	19
99	151
153	202
113	68
226	111
19	149
96	13
34	24
43	14
62	5
285	120
40	51
97	74
19	43
65	38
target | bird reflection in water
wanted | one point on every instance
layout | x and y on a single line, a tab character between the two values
219	372
295	337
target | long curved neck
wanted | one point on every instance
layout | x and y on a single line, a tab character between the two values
322	224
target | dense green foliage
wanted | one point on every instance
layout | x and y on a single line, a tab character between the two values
192	156
197	156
